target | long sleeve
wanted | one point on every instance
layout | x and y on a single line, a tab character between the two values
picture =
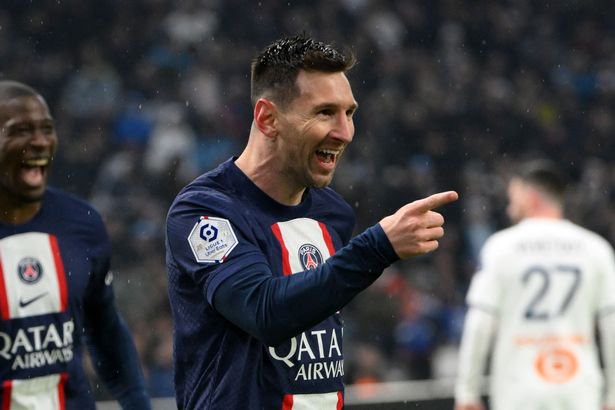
478	330
275	309
115	357
607	344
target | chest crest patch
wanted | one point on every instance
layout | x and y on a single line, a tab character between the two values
29	270
310	256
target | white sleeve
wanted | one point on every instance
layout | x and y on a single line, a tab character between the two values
606	297
607	345
485	287
478	329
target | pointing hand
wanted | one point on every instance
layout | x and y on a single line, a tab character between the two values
415	228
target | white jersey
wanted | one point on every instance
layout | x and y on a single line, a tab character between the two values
546	281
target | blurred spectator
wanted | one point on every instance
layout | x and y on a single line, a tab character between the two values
94	89
171	148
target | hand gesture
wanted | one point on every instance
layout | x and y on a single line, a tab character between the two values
415	229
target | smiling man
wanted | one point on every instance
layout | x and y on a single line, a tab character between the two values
55	287
259	251
24	171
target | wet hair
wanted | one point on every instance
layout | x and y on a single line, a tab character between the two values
13	89
274	71
545	175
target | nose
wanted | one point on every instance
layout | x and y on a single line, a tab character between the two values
42	138
344	128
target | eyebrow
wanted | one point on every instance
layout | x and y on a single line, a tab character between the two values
319	107
45	122
18	122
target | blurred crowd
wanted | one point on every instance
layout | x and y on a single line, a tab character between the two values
147	94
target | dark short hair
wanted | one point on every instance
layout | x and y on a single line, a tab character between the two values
10	89
545	175
274	71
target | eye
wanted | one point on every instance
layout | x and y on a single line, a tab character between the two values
48	129
20	131
328	112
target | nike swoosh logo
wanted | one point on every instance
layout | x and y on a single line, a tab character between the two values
24	303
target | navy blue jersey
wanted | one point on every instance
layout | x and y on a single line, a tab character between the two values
222	231
55	295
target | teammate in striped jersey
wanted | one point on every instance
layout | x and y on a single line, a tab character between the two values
541	287
259	251
55	287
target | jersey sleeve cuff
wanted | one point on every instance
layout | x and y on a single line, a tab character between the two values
373	249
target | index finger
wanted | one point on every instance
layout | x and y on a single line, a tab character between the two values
435	200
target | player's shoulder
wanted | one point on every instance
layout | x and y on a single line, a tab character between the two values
326	201
330	207
593	240
213	189
532	229
501	245
329	197
71	215
501	239
65	205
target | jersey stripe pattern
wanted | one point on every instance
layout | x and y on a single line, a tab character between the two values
305	244
52	277
33	283
334	401
295	238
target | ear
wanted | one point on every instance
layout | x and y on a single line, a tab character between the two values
265	113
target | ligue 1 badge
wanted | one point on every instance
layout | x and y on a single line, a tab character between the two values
30	270
212	239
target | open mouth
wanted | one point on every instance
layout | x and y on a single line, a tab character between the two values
327	156
35	162
33	171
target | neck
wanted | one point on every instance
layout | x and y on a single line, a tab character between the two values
263	172
260	164
548	212
18	214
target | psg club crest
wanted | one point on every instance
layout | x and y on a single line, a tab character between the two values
310	256
29	270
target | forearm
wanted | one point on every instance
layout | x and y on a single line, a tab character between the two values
275	309
116	360
476	340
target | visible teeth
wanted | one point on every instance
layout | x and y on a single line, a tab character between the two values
40	162
328	151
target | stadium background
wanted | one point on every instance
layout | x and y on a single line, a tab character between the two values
149	93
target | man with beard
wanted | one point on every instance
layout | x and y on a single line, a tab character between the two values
259	251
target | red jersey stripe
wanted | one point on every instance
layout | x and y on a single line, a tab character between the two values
61	392
327	237
287	402
7	387
57	258
5	314
285	257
